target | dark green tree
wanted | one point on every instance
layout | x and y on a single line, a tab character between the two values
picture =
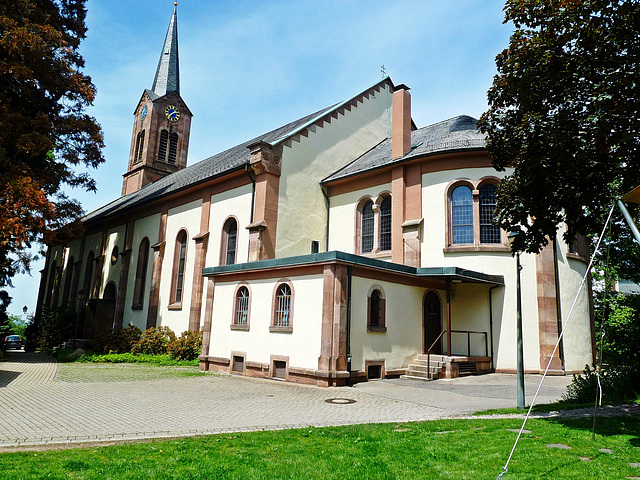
564	114
45	133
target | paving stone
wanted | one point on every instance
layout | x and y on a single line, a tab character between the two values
585	459
605	450
635	465
561	446
517	430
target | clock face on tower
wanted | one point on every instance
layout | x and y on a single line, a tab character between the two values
143	113
172	113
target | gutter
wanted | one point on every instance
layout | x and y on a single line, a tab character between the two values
327	202
253	191
348	339
491	325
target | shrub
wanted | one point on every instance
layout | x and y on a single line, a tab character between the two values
49	329
154	341
614	381
120	340
187	347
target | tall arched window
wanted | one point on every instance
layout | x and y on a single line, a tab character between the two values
179	263
67	281
282	317
88	276
489	233
229	242
52	285
385	224
173	148
242	307
462	215
162	146
141	274
376	310
367	227
137	154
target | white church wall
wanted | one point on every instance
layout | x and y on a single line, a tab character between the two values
403	319
301	203
302	345
186	216
237	203
143	227
342	216
111	270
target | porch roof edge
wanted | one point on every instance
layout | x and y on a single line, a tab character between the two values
455	273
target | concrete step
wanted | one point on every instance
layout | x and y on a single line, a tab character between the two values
417	377
423	368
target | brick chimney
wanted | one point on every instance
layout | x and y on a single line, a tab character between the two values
400	121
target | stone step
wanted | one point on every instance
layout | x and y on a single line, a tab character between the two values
424	363
423	368
417	377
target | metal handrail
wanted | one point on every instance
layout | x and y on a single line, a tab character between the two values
429	353
469	333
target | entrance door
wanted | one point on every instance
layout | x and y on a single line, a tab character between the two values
432	318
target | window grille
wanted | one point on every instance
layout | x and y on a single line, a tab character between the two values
385	224
283	306
462	215
489	233
242	307
367	227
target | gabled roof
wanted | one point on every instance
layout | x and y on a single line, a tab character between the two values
453	135
235	158
167	77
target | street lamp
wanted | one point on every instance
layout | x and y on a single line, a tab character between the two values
520	374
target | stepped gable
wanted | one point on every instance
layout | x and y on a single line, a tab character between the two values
232	159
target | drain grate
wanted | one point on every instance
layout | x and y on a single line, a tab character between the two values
340	401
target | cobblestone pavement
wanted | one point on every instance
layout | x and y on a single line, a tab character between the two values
38	409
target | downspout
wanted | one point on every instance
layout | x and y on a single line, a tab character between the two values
491	324
558	300
253	191
348	346
327	202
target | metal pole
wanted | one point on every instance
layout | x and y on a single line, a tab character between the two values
629	219
520	398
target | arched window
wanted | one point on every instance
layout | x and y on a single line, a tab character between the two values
67	281
179	262
376	310
242	307
489	233
141	274
88	276
385	224
173	148
137	154
162	147
52	285
462	215
229	242
282	317
367	227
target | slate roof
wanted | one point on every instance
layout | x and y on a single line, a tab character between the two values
455	134
232	159
167	77
225	162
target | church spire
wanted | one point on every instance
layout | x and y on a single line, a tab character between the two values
167	77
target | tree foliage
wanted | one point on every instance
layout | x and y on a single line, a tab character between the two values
563	113
46	137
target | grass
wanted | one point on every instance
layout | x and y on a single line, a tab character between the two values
447	449
64	355
123	372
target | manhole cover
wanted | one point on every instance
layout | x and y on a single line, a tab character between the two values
340	401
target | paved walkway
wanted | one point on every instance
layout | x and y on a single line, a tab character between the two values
37	409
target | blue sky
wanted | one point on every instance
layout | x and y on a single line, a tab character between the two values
249	66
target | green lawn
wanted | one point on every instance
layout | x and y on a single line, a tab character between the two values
449	449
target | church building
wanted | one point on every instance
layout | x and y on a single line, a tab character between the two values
345	245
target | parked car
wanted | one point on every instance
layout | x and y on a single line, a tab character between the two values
13	342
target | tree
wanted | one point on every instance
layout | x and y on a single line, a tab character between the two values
563	113
45	134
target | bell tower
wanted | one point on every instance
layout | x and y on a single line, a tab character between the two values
160	138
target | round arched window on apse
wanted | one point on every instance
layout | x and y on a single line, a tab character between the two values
114	255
